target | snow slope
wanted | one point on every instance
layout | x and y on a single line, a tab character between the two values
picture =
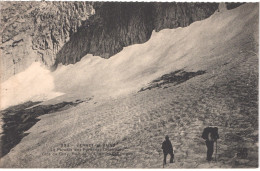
35	83
197	47
224	45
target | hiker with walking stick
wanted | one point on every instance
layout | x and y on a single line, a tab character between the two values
210	134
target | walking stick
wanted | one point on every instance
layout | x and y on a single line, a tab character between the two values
163	164
216	151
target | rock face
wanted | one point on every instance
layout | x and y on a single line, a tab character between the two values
64	32
117	25
35	31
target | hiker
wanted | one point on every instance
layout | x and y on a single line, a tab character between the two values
167	149
210	135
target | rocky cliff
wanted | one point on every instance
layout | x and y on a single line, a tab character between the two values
35	31
64	32
117	25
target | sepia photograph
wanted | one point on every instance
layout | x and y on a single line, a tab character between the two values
99	84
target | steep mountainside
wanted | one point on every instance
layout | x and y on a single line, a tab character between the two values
35	31
117	25
63	32
115	113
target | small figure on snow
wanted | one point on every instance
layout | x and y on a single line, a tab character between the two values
210	135
167	149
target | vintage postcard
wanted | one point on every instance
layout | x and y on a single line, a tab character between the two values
129	84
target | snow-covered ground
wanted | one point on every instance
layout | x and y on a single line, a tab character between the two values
200	46
35	84
225	46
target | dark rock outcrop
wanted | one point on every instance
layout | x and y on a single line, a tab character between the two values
18	119
117	25
232	5
64	32
35	31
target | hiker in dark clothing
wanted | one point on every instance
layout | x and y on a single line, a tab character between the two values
167	149
210	135
210	147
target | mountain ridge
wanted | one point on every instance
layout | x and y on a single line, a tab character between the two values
55	32
202	75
